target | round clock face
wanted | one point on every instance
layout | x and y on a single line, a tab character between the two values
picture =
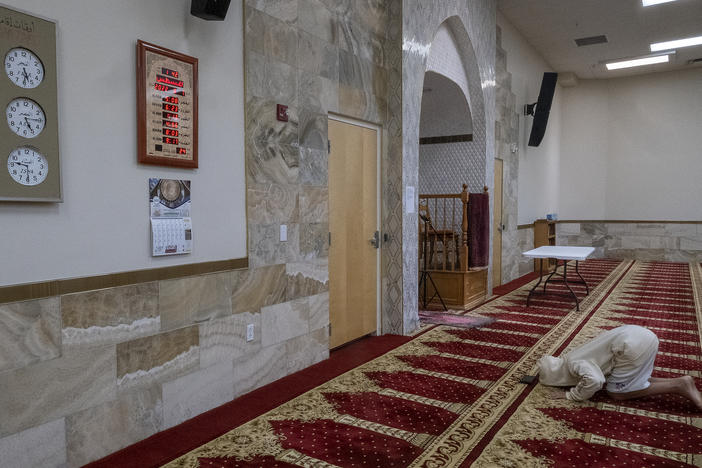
27	166
25	117
24	68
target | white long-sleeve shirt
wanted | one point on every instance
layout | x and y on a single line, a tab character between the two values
623	357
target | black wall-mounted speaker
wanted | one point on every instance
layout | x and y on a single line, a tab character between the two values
210	10
543	108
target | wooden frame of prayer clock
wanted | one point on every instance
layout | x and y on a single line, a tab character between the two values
166	107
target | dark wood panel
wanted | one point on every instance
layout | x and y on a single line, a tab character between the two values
23	292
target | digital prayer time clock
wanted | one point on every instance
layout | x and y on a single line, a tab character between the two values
166	107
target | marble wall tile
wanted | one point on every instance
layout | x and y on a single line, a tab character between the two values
316	19
313	129
307	278
318	57
281	322
314	204
194	299
49	390
314	240
317	93
358	41
98	431
272	203
265	247
259	368
145	361
308	349
272	148
353	71
254	28
39	447
284	10
371	14
687	243
679	255
279	40
280	82
108	316
255	74
223	340
258	287
197	392
645	255
649	242
30	331
683	230
319	311
314	167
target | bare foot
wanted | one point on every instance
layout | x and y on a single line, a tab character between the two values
691	392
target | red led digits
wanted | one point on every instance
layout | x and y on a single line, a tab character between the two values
170	141
169	107
170	132
169	72
170	99
181	151
169	124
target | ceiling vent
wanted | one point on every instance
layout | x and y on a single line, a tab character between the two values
592	40
693	61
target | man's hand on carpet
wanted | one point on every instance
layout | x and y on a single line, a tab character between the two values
556	394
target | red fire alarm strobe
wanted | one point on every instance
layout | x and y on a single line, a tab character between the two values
282	113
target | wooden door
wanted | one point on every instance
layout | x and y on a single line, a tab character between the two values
353	220
497	227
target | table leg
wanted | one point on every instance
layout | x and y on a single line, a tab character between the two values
555	269
565	281
541	275
587	289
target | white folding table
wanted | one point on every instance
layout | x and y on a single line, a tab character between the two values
565	254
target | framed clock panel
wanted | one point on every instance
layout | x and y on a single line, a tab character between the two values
166	107
30	168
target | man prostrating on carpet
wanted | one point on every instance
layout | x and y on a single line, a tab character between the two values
621	358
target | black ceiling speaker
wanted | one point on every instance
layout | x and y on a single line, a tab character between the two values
210	10
543	108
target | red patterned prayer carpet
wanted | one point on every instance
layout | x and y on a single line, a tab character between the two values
451	397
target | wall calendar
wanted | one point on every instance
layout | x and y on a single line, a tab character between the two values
166	107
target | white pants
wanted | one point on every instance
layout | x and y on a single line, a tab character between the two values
633	366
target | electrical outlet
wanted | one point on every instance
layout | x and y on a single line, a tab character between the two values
283	233
250	332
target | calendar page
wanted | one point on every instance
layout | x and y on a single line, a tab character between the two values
171	225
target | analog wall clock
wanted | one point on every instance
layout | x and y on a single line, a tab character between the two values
24	68
29	138
25	117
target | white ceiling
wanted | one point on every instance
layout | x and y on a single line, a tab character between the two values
551	26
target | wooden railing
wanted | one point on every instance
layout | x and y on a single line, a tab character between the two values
443	231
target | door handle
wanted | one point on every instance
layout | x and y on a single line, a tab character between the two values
375	241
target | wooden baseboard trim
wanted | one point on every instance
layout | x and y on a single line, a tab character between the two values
525	226
614	221
28	291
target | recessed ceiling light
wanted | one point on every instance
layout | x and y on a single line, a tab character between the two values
654	2
636	62
668	45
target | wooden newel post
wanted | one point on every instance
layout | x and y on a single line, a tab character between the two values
464	228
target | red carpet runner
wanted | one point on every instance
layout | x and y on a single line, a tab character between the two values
452	397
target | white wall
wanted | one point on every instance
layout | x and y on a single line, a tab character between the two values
103	224
584	140
538	167
631	148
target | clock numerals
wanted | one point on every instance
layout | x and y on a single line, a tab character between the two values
27	166
24	68
25	117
